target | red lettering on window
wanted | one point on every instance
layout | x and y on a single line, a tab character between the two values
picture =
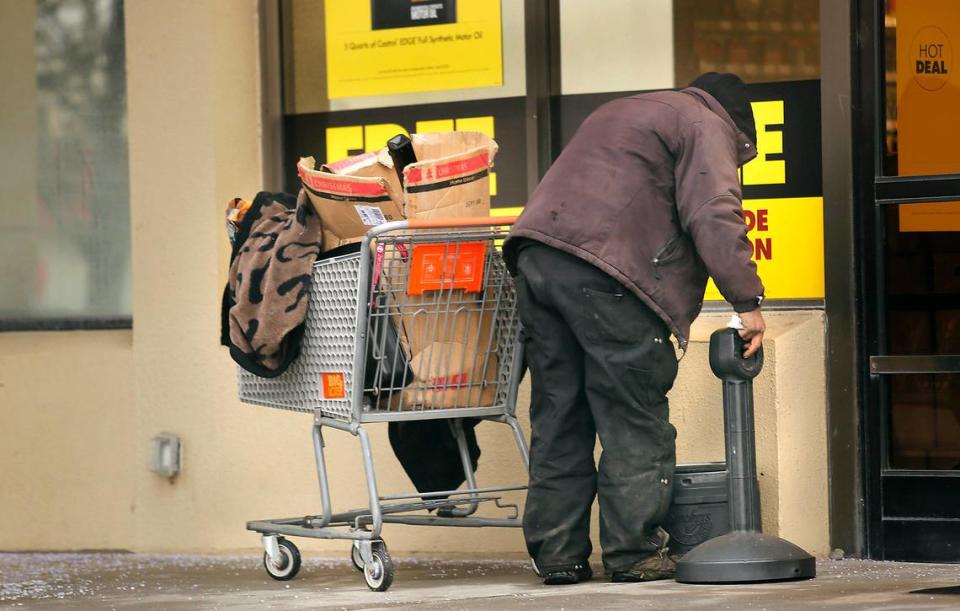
762	248
762	221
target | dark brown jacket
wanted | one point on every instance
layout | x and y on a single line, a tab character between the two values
648	191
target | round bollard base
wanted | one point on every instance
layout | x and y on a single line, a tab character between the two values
745	557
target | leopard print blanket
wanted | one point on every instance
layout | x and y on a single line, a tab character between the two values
265	301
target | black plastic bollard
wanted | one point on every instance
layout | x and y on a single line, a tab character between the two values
744	555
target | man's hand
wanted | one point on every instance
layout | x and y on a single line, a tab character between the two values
752	332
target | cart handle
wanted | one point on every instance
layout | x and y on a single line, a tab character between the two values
480	221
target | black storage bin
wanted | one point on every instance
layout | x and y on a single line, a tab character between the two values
700	508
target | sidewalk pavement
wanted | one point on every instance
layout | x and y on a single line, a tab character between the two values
153	581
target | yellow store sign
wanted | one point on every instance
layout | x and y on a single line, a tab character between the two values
782	187
785	233
384	47
786	236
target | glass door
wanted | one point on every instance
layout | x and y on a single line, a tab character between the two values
911	283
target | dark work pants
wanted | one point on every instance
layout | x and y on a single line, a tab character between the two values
601	363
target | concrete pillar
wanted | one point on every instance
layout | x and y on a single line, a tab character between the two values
194	137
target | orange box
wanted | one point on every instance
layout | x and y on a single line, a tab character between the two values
333	386
435	267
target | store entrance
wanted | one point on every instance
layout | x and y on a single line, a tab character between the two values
910	291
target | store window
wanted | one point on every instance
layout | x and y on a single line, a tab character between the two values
921	286
625	45
65	229
611	48
357	73
761	40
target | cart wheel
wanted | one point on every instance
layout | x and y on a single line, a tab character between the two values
355	557
291	561
379	573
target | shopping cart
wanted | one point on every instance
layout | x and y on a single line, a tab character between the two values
419	324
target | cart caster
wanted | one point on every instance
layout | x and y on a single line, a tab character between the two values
379	572
289	564
355	556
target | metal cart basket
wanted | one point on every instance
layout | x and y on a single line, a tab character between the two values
419	324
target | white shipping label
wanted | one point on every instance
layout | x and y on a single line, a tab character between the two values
371	216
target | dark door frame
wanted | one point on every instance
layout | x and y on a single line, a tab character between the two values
902	516
838	93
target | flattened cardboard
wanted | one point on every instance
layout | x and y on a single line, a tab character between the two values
454	355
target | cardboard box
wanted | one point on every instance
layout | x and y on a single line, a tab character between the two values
348	205
454	355
444	325
451	178
451	354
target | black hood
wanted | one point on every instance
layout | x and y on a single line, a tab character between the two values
731	92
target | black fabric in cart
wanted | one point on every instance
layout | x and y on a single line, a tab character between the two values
427	451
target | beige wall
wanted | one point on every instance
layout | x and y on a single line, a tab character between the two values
194	142
790	421
68	455
77	410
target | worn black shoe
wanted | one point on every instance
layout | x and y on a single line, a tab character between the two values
658	565
570	577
